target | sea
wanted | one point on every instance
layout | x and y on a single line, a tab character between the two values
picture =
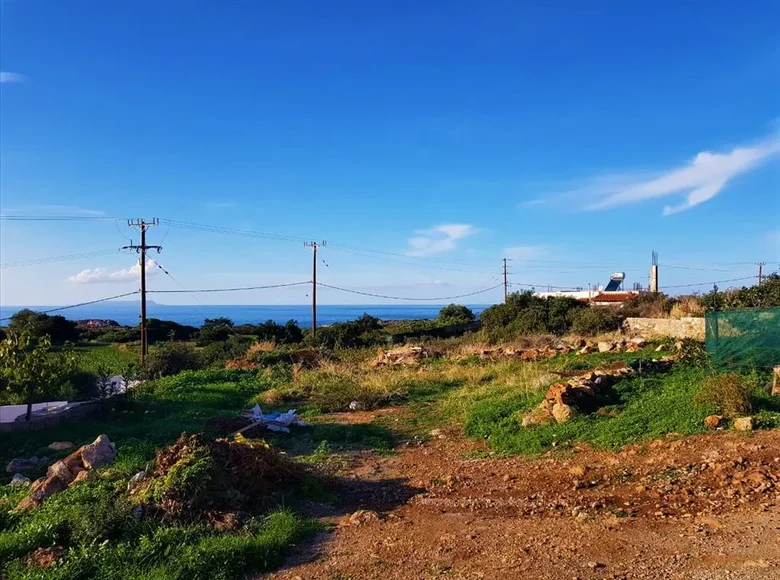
126	313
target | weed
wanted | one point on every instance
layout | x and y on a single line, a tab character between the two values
728	393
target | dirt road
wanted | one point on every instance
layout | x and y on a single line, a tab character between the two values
695	508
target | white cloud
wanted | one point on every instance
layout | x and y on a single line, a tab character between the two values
525	253
103	275
10	77
701	179
439	239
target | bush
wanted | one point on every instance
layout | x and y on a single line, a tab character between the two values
686	306
232	348
455	314
58	328
595	320
214	330
172	358
364	331
648	305
163	330
526	313
765	296
728	393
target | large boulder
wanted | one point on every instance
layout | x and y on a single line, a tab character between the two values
69	471
743	424
22	464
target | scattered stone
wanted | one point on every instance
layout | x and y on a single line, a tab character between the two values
98	453
661	348
69	471
361	517
577	471
756	564
594	565
585	350
563	413
743	424
640	342
356	406
20	480
61	445
713	421
21	464
406	355
606	346
437	433
540	415
135	481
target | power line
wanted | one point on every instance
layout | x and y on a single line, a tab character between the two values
240	289
710	283
59	218
60	308
53	259
408	298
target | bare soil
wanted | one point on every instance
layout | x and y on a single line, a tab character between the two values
702	507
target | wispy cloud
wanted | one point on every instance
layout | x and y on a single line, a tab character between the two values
700	179
439	239
104	275
526	253
11	77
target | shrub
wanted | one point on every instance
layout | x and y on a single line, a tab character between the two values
648	305
765	296
162	330
595	320
728	393
526	313
686	306
692	352
218	352
58	328
172	358
455	314
260	346
214	330
364	331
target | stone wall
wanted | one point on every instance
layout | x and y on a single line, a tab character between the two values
656	328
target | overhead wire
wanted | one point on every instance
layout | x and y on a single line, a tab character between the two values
373	295
238	289
61	308
53	259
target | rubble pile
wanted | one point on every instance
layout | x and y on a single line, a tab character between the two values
198	478
581	347
407	355
585	392
69	471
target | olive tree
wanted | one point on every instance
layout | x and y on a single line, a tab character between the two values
30	371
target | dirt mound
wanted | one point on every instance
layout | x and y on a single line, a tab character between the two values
227	425
198	478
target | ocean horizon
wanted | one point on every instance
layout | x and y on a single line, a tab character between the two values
127	313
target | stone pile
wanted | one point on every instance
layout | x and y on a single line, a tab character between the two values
407	355
69	471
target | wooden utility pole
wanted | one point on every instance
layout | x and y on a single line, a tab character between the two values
760	272
314	246
506	284
143	225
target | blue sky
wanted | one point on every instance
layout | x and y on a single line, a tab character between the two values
573	137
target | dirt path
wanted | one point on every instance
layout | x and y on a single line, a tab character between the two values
696	508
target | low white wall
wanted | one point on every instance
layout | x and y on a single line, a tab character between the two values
9	413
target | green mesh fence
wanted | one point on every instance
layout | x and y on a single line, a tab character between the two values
744	338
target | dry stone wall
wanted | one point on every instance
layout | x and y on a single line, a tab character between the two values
656	328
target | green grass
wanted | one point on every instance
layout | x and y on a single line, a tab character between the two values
646	407
114	359
94	520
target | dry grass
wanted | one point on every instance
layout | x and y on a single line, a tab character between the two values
260	346
685	307
729	393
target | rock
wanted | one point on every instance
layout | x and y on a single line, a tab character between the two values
660	348
21	464
577	471
45	557
135	481
594	565
678	345
69	471
640	342
20	480
61	445
713	421
137	512
563	413
356	406
585	350
743	424
540	415
606	346
437	433
362	517
98	453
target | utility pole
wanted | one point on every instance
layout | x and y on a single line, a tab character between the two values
314	246
143	225
654	273
506	284
760	272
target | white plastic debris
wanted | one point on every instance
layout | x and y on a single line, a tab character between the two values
279	422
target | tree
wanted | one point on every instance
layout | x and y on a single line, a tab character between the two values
214	330
455	314
58	328
29	370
